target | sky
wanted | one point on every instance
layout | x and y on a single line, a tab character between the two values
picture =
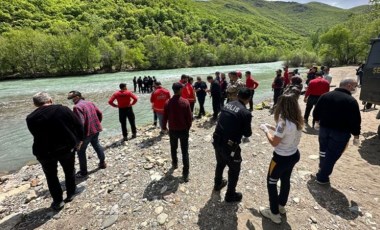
345	4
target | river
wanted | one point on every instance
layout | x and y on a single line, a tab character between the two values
16	102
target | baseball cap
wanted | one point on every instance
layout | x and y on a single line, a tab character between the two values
73	94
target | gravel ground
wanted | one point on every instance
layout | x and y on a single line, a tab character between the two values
138	191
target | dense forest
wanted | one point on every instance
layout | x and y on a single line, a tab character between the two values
56	37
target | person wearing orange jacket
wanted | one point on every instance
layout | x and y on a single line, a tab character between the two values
188	91
158	99
125	100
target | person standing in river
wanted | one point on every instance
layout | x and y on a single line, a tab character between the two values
140	84
125	101
177	112
57	133
91	118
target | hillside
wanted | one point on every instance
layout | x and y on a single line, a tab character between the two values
54	37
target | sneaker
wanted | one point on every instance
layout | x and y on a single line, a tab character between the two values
81	175
218	187
282	209
125	138
134	136
155	123
266	212
57	205
185	178
174	165
102	165
236	197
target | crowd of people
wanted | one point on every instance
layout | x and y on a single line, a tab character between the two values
60	132
143	85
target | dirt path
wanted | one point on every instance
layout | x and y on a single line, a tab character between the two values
137	192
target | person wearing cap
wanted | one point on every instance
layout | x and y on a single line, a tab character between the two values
251	85
315	89
234	86
200	89
234	123
91	118
57	133
158	99
178	114
125	100
216	95
277	86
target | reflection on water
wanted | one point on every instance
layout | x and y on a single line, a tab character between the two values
16	104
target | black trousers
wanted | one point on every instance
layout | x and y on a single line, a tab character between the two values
223	159
201	101
192	104
311	102
183	137
251	99
215	107
280	168
140	89
49	166
276	95
125	113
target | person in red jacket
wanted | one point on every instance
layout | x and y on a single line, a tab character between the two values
251	84
125	100
188	91
177	112
315	89
286	76
158	100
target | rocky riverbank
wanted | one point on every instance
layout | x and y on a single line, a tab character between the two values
138	191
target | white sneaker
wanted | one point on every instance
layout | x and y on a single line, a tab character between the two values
266	212
282	209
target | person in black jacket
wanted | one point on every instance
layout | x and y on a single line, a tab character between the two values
234	122
338	116
216	95
140	84
200	89
57	132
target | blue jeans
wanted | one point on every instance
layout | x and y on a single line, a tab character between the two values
94	140
160	117
332	144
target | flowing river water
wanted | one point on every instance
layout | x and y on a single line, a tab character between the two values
16	102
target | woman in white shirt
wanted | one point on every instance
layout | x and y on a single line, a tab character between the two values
285	140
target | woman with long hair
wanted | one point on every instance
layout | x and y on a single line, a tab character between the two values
285	140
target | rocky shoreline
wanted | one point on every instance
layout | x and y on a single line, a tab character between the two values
138	191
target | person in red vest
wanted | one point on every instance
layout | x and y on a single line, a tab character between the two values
316	88
158	100
251	84
188	91
286	76
125	100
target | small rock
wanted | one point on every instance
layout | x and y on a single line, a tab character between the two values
162	218
148	166
159	210
34	182
31	196
313	219
314	157
368	215
155	177
296	200
109	221
144	224
2	209
194	209
313	227
352	223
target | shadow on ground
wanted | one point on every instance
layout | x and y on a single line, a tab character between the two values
217	214
36	218
167	185
310	130
334	201
267	224
370	148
